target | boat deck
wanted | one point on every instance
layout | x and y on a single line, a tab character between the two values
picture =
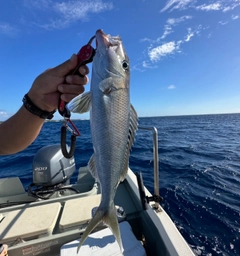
43	227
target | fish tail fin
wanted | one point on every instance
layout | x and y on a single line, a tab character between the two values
110	218
92	224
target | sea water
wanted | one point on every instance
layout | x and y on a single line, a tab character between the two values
199	164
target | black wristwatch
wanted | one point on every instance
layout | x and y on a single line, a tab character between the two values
29	105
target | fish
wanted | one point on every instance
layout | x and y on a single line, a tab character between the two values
113	122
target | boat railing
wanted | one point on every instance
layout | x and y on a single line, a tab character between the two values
155	159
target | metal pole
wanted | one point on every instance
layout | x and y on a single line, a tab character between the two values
155	158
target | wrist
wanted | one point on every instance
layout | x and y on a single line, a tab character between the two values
31	107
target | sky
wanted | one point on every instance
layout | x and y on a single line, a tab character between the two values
184	54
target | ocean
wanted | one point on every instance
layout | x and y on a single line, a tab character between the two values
199	164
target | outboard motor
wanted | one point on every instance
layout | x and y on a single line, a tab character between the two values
51	172
50	167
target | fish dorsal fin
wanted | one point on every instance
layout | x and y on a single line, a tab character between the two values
133	126
125	170
131	135
92	167
81	103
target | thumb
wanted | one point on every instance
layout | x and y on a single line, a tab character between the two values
64	68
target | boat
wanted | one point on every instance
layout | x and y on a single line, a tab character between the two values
49	218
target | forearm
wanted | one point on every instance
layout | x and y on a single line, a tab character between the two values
19	131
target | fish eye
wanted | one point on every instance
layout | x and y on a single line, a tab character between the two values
125	65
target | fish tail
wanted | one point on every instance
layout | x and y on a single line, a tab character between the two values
92	224
107	216
111	220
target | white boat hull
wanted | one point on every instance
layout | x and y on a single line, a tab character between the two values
43	227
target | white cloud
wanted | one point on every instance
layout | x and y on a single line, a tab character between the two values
177	4
189	35
155	54
7	29
234	17
3	112
38	4
137	67
226	9
167	30
67	12
220	5
173	22
147	64
217	5
223	22
3	115
75	10
210	7
171	87
145	39
231	5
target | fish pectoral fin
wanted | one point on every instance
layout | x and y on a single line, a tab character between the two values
108	85
81	103
92	167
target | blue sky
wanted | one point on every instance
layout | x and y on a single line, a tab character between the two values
185	54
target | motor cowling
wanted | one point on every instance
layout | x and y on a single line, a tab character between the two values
50	167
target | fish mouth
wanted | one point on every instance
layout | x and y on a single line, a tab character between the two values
105	40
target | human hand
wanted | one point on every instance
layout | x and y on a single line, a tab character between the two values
54	83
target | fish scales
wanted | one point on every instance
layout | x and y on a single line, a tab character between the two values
113	125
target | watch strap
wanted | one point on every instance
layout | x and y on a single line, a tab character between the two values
31	107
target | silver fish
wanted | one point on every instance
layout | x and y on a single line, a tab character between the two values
113	125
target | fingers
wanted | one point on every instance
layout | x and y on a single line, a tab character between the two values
77	80
75	84
69	91
84	70
64	68
54	83
68	97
